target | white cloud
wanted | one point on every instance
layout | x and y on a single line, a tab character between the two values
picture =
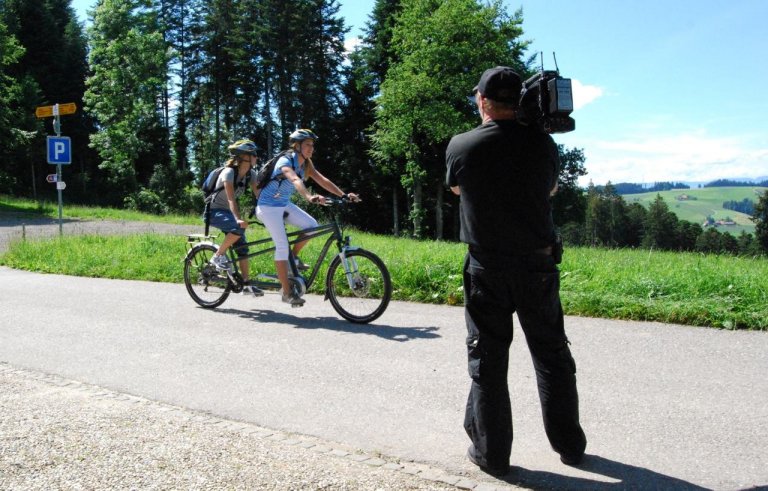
351	43
584	94
686	157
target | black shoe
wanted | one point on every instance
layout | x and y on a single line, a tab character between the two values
494	471
571	459
254	290
294	300
300	265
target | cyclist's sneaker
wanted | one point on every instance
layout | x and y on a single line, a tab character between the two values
221	263
253	290
294	300
300	265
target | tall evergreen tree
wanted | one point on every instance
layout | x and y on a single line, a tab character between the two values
13	135
660	226
370	65
304	52
636	216
55	59
761	221
748	246
709	241
353	166
569	204
688	233
377	51
597	217
177	18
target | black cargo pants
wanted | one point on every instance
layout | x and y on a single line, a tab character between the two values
495	288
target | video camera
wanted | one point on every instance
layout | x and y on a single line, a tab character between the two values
546	100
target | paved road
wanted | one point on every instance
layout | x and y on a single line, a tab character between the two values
663	406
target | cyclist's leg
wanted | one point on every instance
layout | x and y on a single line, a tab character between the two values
241	250
272	218
225	221
300	219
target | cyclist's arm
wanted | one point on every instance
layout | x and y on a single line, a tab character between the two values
254	185
290	175
229	189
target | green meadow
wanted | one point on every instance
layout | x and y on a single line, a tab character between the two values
695	205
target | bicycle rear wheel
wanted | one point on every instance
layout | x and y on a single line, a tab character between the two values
360	290
207	286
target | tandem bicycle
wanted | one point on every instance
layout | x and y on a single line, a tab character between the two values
357	282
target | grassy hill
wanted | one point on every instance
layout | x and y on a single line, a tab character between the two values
703	202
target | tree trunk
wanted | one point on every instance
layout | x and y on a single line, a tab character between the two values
34	183
456	216
418	199
268	112
439	193
395	213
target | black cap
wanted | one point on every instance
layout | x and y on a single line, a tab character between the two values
501	84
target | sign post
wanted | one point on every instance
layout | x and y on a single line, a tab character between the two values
59	148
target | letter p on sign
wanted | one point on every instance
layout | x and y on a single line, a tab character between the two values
59	150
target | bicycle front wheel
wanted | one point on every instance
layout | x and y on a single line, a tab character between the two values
358	286
207	286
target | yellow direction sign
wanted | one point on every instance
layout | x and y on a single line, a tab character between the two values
55	110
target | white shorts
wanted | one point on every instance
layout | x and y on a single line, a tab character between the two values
272	218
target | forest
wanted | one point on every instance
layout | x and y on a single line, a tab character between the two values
162	86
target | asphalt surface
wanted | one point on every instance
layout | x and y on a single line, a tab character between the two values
663	406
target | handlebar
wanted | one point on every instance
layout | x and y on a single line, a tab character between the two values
338	201
329	201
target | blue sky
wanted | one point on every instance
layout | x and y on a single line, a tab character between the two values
664	90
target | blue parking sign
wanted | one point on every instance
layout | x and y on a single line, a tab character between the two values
59	150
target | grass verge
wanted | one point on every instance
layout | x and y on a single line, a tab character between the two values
685	288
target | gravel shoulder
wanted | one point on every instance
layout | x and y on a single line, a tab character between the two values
62	434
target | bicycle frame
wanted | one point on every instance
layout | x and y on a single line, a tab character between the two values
270	282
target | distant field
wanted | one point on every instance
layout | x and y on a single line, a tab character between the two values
704	202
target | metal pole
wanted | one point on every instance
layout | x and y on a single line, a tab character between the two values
57	129
58	180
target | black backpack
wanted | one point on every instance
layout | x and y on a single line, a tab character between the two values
264	175
208	187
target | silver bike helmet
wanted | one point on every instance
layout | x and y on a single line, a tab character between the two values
301	135
242	147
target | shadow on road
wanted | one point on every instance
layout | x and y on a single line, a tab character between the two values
384	331
624	476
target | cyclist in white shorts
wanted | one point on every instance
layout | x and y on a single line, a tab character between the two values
274	207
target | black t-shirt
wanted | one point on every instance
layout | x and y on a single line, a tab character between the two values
506	172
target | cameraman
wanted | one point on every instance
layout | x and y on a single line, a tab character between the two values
505	173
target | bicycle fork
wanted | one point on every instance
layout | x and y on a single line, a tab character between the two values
351	270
